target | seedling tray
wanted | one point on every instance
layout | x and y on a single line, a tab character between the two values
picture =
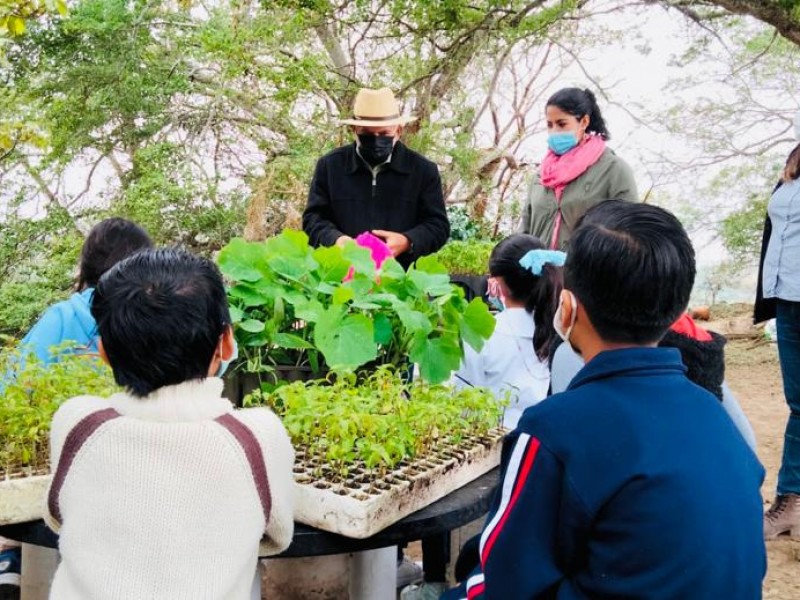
363	505
22	498
358	507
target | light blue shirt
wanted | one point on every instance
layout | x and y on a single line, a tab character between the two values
781	277
507	363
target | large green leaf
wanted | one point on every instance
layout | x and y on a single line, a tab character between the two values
383	329
236	313
290	255
346	341
393	269
432	284
342	295
252	325
413	321
250	294
429	264
360	259
477	325
240	260
333	266
437	357
289	340
309	310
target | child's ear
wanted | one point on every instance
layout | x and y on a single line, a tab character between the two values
101	349
227	345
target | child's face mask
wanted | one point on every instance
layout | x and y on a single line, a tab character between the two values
557	319
495	294
224	364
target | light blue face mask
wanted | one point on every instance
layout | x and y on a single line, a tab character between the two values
224	364
561	143
497	304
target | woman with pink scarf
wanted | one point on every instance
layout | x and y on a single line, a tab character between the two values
578	171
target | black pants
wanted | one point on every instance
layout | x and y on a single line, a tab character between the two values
468	558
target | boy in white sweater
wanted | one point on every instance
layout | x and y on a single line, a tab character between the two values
164	491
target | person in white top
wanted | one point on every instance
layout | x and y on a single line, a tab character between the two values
164	491
526	279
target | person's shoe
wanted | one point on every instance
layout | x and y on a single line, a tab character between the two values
783	517
424	591
408	572
10	560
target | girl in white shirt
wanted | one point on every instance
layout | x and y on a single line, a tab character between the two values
526	278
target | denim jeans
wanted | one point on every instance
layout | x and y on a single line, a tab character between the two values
788	325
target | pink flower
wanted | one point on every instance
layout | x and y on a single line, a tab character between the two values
377	248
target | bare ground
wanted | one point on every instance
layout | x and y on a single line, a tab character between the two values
754	376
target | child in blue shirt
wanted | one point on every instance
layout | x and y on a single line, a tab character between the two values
633	483
110	241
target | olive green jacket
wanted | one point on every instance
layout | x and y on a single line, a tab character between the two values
609	178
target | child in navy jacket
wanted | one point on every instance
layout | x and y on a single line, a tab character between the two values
633	483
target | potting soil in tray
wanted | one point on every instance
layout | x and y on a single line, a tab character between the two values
362	505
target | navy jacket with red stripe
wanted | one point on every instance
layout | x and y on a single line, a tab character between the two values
633	483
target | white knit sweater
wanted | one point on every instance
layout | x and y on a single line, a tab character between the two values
158	498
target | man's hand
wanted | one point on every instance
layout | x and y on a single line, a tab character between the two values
397	242
342	240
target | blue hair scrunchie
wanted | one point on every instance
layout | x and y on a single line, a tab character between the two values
535	260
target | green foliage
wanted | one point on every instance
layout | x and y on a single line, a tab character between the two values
466	258
164	198
290	306
38	261
32	393
379	421
741	230
463	227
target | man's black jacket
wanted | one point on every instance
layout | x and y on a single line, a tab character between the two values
405	196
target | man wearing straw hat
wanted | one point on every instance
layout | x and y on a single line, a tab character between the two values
377	185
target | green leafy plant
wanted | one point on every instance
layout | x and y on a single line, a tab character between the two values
347	423
31	392
291	306
466	258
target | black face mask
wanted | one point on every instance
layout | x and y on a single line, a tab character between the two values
375	149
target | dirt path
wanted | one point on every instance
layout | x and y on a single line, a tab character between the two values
754	376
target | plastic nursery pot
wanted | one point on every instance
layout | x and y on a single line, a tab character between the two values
474	286
240	383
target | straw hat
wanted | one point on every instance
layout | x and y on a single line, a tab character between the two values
376	108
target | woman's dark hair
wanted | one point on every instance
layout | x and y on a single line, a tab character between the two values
792	169
160	314
578	102
539	292
109	242
632	267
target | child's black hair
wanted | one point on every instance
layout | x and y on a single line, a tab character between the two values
160	314
578	102
109	242
539	293
632	267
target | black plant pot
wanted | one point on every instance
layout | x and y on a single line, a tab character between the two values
240	383
474	286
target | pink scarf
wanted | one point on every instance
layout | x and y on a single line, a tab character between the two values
558	171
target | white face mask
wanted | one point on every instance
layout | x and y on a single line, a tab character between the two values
564	335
